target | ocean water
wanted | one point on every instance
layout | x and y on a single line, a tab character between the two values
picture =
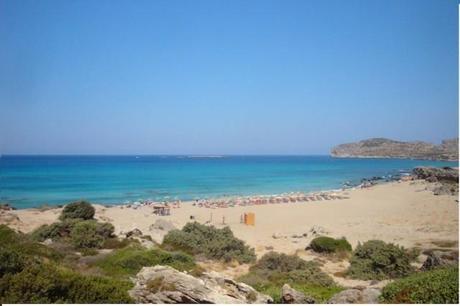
29	181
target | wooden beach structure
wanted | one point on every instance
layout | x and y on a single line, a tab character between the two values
162	210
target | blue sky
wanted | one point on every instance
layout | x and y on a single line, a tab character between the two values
224	77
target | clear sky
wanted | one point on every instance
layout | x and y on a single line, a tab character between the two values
224	77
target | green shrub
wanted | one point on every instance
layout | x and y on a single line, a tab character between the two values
24	245
78	210
44	283
29	274
130	260
11	261
377	260
54	231
90	234
280	262
330	245
439	286
105	229
211	242
274	270
80	233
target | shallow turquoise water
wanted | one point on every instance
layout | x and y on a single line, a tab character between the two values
27	181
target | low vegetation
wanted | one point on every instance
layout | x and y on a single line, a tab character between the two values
45	283
90	234
77	228
78	210
128	261
377	260
23	245
325	244
274	270
439	286
210	242
31	272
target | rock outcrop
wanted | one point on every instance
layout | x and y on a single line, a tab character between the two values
437	174
356	296
446	179
165	285
292	296
439	259
387	148
160	228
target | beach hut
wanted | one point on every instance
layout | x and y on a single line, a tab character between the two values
249	219
162	210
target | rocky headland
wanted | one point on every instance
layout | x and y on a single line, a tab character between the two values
387	148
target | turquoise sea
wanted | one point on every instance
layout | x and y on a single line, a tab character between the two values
29	181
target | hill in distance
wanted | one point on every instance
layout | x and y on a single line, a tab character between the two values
387	148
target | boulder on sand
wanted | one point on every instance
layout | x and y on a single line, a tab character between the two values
134	233
165	285
292	296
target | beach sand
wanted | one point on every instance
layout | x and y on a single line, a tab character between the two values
400	212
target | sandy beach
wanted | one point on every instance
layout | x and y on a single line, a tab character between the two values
405	213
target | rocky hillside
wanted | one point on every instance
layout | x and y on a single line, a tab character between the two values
383	147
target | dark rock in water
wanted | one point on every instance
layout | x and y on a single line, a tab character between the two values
292	296
356	296
437	259
6	207
387	148
165	285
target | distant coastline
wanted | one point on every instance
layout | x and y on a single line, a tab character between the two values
388	148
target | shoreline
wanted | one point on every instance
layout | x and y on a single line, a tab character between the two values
364	183
402	212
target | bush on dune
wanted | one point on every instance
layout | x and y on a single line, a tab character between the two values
211	242
439	286
130	260
78	210
54	231
78	228
90	234
279	262
325	244
377	260
274	270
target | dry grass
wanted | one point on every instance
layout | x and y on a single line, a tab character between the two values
157	284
